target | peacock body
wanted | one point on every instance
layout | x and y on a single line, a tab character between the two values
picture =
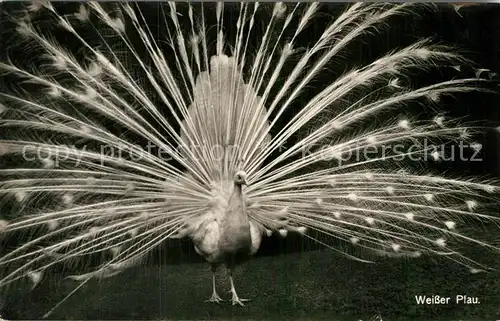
80	182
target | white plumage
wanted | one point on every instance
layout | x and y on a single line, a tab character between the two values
217	112
226	235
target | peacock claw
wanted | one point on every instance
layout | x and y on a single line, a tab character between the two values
236	300
215	298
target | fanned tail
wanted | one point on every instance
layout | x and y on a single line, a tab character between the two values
131	138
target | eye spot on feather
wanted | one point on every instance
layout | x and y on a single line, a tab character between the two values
471	205
54	92
279	9
301	230
439	120
144	216
287	50
194	40
450	225
115	250
89	94
85	129
465	134
83	13
395	247
21	196
402	172
404	124
109	211
371	139
395	83
283	232
333	154
336	125
121	161
370	220
436	156
59	62
410	216
424	53
440	242
67	199
133	232
37	5
390	190
116	24
35	278
48	163
416	254
94	69
337	215
476	147
354	240
129	188
369	176
90	180
52	225
352	197
50	253
319	201
92	232
429	197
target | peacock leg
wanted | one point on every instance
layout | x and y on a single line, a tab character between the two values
235	299
215	297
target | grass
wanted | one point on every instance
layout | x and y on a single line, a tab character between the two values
315	285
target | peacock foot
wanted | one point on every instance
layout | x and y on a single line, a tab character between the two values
235	300
215	298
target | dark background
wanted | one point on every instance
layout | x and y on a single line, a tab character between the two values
291	278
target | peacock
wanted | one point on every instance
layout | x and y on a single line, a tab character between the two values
229	238
119	135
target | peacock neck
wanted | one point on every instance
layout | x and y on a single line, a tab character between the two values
237	191
238	195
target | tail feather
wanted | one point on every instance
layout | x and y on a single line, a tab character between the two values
79	185
389	215
222	110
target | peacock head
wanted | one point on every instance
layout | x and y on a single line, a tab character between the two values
240	178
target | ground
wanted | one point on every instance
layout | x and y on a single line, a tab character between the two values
315	285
